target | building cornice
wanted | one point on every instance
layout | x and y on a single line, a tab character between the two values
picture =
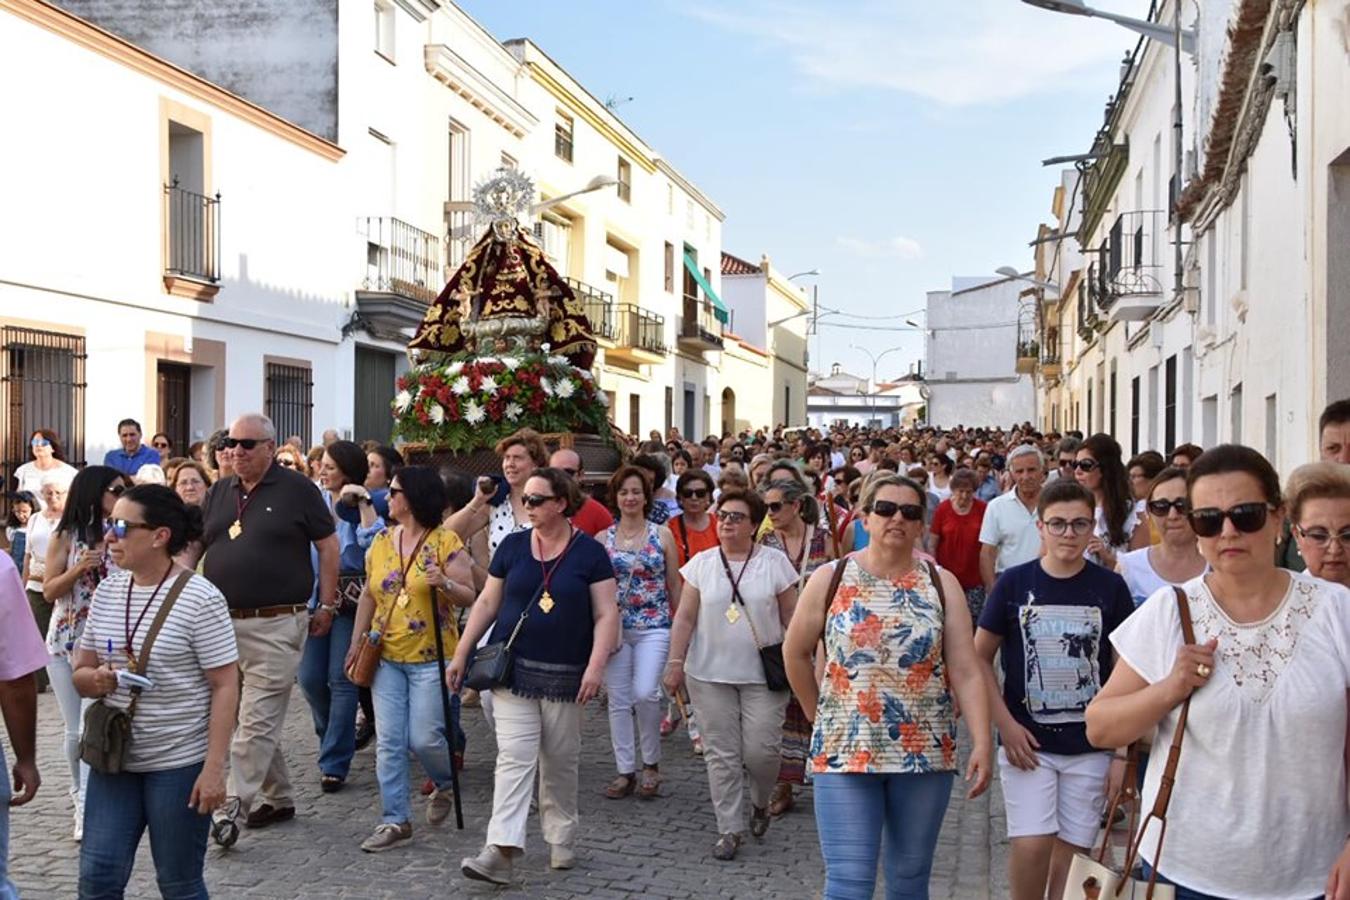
691	189
418	9
451	70
110	46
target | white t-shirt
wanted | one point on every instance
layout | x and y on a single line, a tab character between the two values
39	530
169	729
1099	529
724	651
29	477
1264	752
1139	574
1011	527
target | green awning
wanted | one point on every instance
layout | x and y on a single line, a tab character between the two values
719	308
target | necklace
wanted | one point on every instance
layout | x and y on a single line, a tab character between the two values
129	629
629	541
546	602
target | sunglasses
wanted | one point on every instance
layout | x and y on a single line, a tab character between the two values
1066	463
1321	538
160	445
776	506
534	501
395	491
731	516
1246	517
230	443
1061	527
910	512
287	462
1086	465
1161	508
695	494
117	490
41	442
118	528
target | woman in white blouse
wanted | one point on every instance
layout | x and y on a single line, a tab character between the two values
1264	752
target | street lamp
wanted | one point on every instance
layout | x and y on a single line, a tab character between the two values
1161	33
1010	272
876	358
803	274
814	312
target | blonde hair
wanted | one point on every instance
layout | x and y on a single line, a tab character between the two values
1316	481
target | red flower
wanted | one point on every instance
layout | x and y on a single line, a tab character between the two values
912	738
918	676
869	705
858	761
867	633
838	677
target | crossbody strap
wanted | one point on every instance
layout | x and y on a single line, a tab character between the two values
143	658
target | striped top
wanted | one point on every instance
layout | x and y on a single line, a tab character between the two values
169	728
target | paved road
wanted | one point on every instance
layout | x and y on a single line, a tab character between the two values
627	848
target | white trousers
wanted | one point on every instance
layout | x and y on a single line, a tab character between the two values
535	734
633	682
72	705
742	727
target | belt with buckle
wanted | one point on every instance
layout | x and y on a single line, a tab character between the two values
267	612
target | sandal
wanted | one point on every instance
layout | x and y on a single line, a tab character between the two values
726	847
650	784
621	787
781	800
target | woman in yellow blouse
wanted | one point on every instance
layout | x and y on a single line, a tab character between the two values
406	568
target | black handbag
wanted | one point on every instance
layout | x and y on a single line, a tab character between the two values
491	664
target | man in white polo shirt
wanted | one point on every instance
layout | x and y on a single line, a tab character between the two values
1009	535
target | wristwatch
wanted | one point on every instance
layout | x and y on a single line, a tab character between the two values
330	608
364	498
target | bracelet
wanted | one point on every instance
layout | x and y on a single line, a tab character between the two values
675	662
331	608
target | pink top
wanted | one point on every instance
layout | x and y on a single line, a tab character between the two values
22	650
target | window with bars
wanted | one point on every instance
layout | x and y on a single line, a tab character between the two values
562	137
290	400
41	386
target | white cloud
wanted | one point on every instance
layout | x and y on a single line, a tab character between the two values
953	52
898	247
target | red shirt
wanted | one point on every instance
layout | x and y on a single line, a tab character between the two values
592	518
690	543
958	537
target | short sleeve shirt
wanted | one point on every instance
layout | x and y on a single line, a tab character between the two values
725	651
959	541
22	649
268	564
1011	527
593	518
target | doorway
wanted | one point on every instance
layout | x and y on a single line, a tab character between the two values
373	406
174	404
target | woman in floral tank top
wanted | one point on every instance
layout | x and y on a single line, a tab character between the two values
883	749
646	567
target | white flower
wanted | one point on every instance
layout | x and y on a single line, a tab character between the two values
510	362
586	374
461	385
489	385
436	412
473	413
488	359
545	347
454	369
403	401
566	387
603	398
559	361
513	410
546	385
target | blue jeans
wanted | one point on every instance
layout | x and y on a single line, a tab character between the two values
332	698
853	812
408	708
117	810
7	889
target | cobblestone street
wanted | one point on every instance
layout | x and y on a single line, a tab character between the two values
627	848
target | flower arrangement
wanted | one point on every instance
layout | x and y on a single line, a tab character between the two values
467	402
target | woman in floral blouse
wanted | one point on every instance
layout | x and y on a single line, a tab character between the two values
897	633
646	567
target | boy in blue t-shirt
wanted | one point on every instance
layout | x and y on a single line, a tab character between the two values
1051	617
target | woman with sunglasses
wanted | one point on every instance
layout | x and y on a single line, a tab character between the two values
221	460
796	532
163	446
290	458
47	457
1099	469
883	748
553	587
1319	511
1176	559
1266	679
174	774
736	599
77	562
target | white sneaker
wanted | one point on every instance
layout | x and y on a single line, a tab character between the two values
491	865
560	856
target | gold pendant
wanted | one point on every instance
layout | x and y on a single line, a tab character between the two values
402	599
546	602
236	529
733	615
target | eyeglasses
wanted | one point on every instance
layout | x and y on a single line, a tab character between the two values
41	442
910	512
287	462
117	489
776	505
1246	517
1161	508
160	445
694	494
731	516
1061	527
229	443
1086	465
395	491
534	501
1321	538
118	528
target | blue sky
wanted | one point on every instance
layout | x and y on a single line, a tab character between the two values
891	144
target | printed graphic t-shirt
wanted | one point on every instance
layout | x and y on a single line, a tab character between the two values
1055	650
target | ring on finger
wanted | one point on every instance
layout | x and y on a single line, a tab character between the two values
1203	670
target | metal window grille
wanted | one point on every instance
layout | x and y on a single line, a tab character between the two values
562	138
42	383
290	400
194	233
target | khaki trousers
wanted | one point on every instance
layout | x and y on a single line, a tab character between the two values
535	733
742	728
269	656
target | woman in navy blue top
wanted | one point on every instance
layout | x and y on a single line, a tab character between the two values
553	587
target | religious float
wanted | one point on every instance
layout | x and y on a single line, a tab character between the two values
506	345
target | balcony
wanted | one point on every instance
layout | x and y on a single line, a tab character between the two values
1050	366
403	275
1090	298
700	329
1132	271
1028	354
192	250
1028	336
599	308
640	337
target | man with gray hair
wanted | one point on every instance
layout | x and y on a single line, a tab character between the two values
1009	536
260	525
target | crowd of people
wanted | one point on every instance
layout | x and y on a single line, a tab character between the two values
814	608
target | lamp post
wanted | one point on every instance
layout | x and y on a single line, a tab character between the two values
1010	272
875	358
815	308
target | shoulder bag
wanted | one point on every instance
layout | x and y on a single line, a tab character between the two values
491	665
105	741
1090	877
770	655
